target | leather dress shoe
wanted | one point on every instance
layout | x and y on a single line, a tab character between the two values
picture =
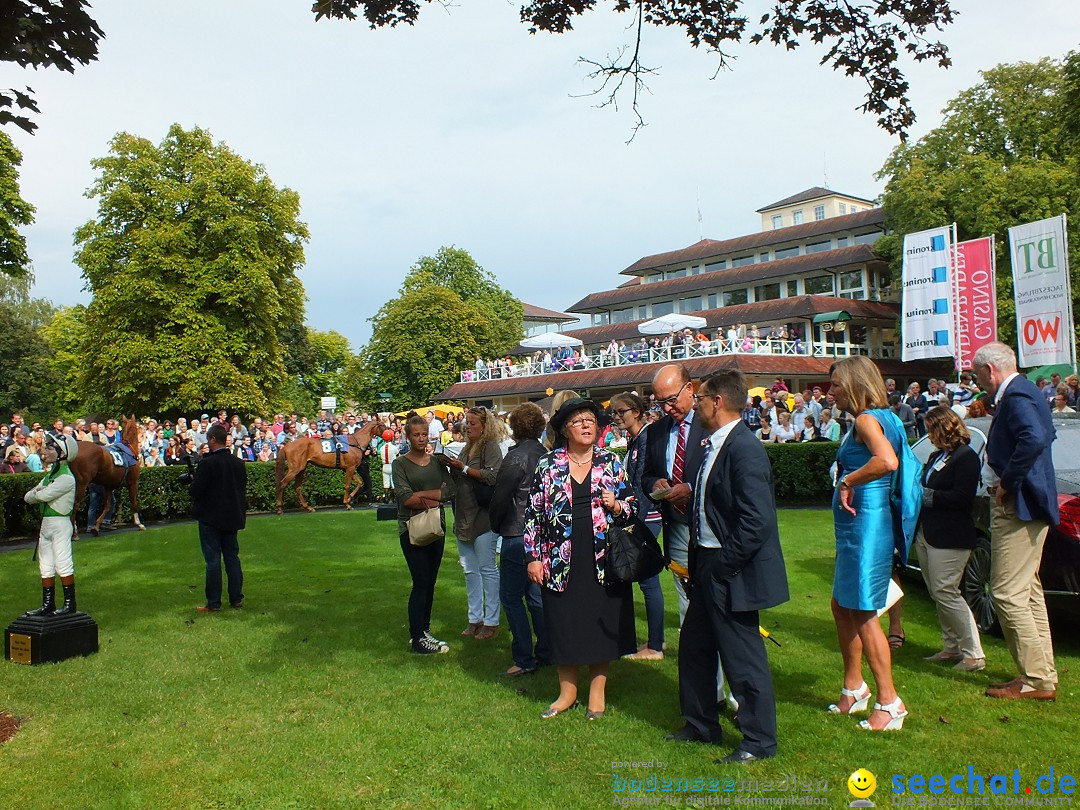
688	734
739	757
1016	691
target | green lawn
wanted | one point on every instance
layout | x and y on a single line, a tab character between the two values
309	697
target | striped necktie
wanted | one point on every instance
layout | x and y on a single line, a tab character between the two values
680	458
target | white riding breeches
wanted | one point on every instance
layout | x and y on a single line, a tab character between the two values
54	548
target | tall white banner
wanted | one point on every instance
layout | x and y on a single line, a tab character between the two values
1044	318
928	324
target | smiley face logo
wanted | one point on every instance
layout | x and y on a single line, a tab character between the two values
862	784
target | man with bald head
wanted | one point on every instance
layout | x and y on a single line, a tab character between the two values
672	458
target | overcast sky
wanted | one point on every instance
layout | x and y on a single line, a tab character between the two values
465	130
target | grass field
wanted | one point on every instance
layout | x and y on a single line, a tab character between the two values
309	697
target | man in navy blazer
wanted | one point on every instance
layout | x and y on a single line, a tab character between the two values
736	570
1019	474
673	389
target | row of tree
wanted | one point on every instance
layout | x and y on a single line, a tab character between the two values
192	263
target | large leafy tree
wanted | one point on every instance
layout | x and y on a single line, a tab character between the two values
15	213
192	261
1005	153
25	381
864	38
41	34
449	310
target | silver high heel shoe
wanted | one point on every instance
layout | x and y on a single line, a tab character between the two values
860	696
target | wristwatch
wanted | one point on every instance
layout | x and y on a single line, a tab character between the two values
843	483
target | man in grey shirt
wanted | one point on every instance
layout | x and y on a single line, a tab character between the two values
906	414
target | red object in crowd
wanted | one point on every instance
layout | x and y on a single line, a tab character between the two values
388	435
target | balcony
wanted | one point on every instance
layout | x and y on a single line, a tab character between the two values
707	348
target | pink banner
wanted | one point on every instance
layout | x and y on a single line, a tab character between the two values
976	298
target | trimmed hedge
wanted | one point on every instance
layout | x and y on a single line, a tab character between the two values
162	497
800	472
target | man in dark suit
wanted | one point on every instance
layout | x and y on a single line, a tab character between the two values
1019	475
736	570
219	495
672	459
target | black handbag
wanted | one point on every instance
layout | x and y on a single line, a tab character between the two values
482	492
633	554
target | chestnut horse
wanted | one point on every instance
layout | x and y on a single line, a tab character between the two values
94	465
297	454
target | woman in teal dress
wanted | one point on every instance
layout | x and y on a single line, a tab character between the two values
865	539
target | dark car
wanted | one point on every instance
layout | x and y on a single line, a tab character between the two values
1060	569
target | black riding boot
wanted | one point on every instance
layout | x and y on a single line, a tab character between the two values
48	602
69	600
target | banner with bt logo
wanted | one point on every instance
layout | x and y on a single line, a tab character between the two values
1044	318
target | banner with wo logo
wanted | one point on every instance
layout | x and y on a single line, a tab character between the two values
1044	318
929	296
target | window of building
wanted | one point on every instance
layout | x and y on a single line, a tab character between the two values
695	269
643	311
676	273
777	221
764	257
787	253
867	238
742	261
819	212
818	247
662	308
841	241
818	285
767	292
622	315
720	265
600	318
843	208
852	285
651	277
714	300
854	210
692	304
792	288
733	297
796	217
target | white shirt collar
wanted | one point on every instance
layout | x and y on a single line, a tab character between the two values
721	433
1004	384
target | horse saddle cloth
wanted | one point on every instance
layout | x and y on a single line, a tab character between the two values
335	445
121	455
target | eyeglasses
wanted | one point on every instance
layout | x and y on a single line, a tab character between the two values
584	421
622	411
671	402
699	397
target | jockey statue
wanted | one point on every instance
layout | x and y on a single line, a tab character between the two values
56	494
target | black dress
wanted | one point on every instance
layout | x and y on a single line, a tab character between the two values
588	623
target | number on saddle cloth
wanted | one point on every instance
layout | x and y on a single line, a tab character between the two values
327	445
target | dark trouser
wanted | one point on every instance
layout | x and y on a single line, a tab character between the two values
516	592
218	544
711	627
98	495
363	469
654	602
423	562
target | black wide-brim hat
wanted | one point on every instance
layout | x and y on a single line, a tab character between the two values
568	409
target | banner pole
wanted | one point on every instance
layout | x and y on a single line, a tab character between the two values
953	249
1068	280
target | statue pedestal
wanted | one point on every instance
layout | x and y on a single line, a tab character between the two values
386	511
46	639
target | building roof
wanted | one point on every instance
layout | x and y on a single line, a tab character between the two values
868	220
780	309
535	313
638	373
796	265
815	193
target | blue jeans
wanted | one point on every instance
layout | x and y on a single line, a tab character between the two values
514	587
93	508
654	602
216	545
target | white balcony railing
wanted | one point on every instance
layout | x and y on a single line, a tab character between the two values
630	356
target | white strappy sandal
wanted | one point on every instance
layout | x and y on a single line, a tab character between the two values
860	696
896	717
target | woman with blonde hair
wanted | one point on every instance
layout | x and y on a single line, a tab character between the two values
947	536
865	540
475	472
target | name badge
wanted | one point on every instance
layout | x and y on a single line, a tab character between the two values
940	465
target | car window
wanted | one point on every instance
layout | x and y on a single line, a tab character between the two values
923	448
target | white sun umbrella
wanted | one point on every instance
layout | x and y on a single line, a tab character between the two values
550	340
673	322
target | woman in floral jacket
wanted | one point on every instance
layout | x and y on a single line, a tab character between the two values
578	491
